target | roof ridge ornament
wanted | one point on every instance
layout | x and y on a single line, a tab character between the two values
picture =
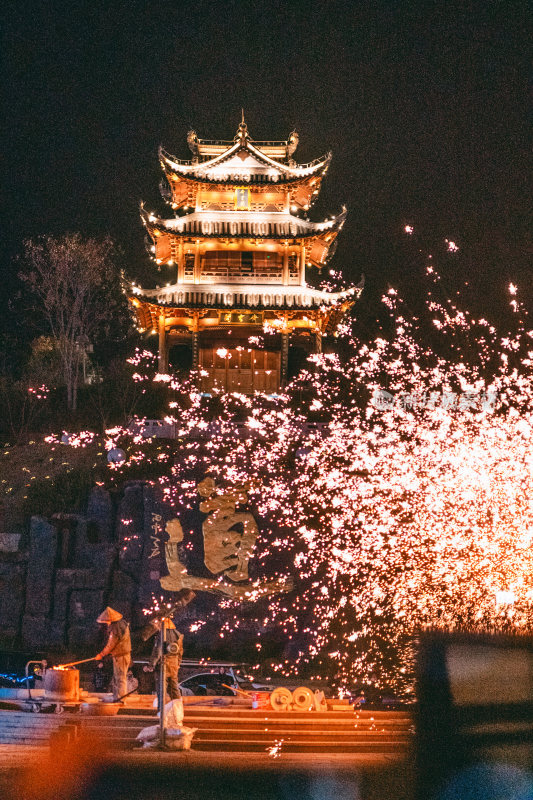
292	144
192	141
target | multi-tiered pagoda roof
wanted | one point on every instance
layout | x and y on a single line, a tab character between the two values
240	240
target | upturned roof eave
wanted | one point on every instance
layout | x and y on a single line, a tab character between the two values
318	297
298	228
286	173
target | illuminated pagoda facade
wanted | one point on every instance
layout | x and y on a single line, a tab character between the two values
238	245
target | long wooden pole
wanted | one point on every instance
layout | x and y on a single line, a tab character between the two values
234	689
73	663
163	361
162	687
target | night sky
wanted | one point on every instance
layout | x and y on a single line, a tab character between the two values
425	106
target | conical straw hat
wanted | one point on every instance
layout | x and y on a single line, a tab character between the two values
109	615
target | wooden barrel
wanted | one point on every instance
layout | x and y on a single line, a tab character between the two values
62	684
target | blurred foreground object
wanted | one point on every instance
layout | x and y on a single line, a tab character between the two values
475	716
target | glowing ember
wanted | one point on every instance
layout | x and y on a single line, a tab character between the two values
275	750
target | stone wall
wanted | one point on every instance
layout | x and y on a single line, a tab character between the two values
74	565
13	568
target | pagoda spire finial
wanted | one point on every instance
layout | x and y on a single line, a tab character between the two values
242	131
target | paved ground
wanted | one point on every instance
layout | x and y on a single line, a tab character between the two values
27	773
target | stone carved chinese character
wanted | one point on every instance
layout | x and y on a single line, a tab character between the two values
229	535
229	539
178	577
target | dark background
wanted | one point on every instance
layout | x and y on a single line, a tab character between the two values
424	104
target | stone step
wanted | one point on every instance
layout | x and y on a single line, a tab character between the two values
201	709
29	715
254	712
271	714
30	727
246	746
216	731
244	730
310	720
299	735
34	739
32	722
254	737
207	721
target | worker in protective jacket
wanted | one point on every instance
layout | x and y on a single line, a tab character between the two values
172	655
118	646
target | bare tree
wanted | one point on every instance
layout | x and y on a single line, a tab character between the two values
22	403
116	398
71	275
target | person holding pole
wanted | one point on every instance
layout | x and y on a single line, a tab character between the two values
169	647
161	653
118	646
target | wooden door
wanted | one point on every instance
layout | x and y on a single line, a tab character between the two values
240	369
239	376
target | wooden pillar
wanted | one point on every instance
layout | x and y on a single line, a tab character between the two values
195	342
284	357
163	354
181	262
302	265
318	340
286	266
195	350
197	263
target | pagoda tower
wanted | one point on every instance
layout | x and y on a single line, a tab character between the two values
236	252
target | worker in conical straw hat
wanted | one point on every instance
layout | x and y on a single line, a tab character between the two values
118	646
172	655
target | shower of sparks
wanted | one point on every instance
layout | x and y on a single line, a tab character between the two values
390	517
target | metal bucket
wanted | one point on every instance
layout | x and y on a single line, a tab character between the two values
62	684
